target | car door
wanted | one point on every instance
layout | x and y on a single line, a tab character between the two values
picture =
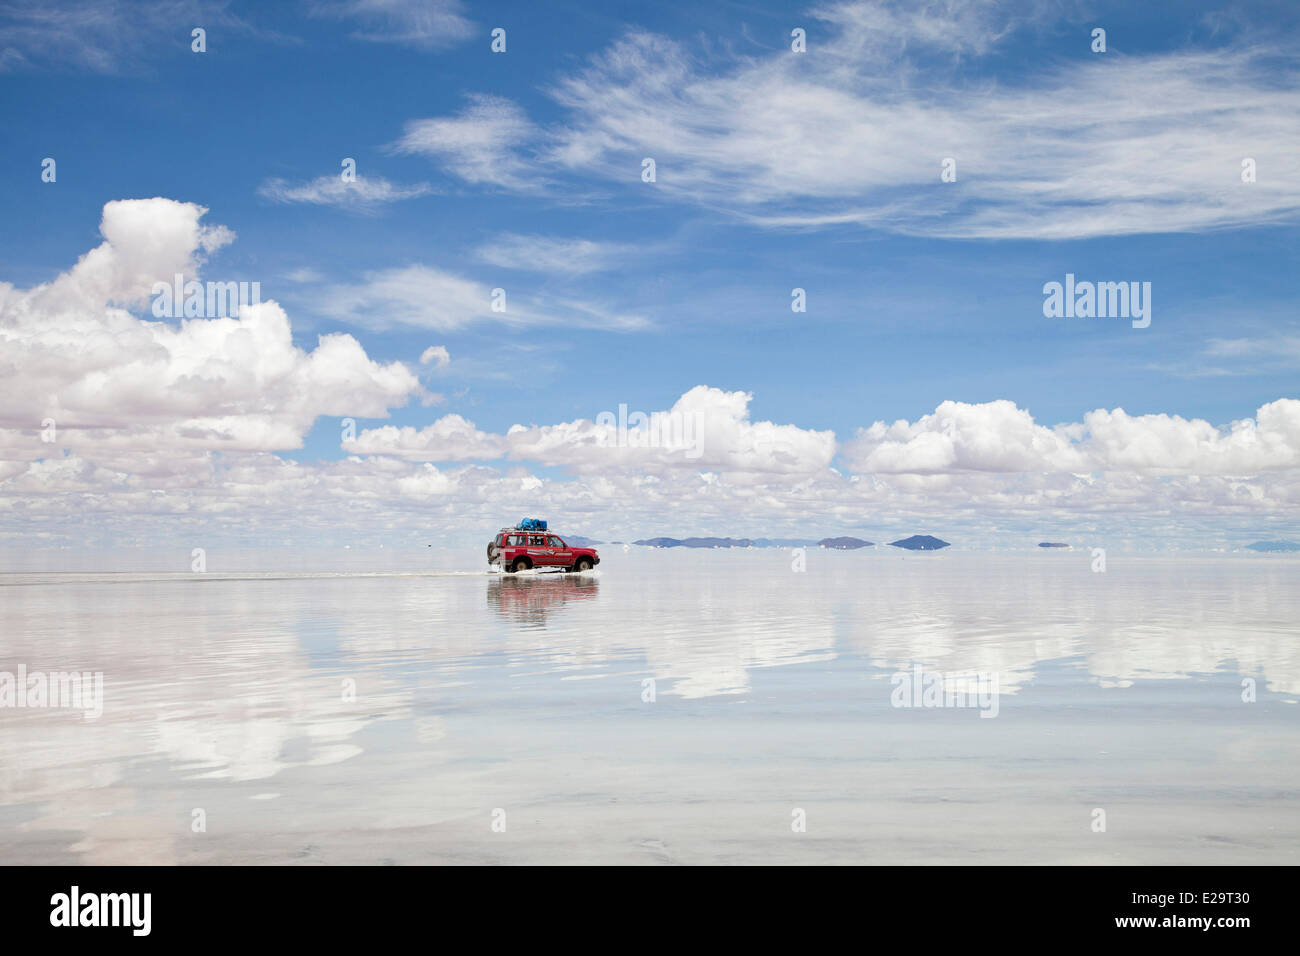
561	553
538	552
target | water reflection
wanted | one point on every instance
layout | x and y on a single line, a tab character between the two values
244	680
530	599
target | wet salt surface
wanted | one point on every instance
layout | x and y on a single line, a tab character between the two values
475	692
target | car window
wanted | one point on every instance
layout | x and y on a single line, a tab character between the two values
554	542
517	540
537	541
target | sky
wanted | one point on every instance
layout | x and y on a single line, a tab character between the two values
467	267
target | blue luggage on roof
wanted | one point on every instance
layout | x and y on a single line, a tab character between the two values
531	524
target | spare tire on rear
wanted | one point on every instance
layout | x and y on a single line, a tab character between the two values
493	551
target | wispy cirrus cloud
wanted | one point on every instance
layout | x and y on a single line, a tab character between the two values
832	137
421	296
425	24
480	145
363	194
552	254
855	130
109	36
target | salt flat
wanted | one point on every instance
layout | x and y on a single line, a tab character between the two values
673	707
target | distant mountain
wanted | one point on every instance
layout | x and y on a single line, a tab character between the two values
695	542
579	541
784	543
919	542
1274	546
1052	544
844	544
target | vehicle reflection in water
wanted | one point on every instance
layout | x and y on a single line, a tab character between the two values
531	598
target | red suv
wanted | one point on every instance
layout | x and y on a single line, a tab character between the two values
517	550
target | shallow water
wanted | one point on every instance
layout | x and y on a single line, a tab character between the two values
524	700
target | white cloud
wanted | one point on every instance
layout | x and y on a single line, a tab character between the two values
364	193
854	131
427	24
113	382
998	437
705	428
143	407
151	497
436	354
1169	444
109	36
556	254
480	144
424	297
450	438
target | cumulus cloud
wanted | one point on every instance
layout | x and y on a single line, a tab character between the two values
999	437
163	426
705	428
995	436
1169	444
70	351
437	355
450	438
149	498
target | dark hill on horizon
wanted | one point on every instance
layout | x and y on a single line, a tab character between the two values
920	542
845	544
1274	546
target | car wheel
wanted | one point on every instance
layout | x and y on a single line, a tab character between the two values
521	564
584	564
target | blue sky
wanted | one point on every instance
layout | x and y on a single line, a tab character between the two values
775	170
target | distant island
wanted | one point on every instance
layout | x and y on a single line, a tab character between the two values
1274	546
844	544
1052	544
919	542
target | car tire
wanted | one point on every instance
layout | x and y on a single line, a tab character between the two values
520	564
583	564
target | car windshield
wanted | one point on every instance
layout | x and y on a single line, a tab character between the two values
554	542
